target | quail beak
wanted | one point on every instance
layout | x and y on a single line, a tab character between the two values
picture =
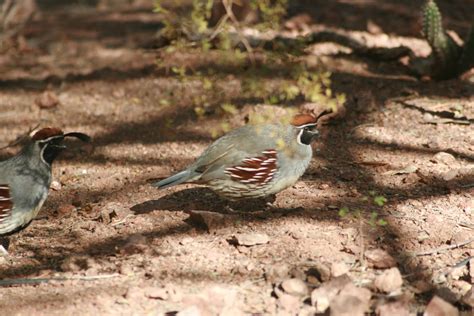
59	146
315	133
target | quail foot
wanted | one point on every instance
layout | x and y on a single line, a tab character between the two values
253	161
26	177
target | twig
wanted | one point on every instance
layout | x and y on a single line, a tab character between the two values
123	220
441	249
10	282
219	27
228	8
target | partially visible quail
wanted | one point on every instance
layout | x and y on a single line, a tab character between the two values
253	161
26	177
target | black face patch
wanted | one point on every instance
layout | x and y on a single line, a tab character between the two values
308	133
51	149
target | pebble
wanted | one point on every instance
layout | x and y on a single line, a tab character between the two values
295	287
251	239
438	306
389	281
443	157
380	259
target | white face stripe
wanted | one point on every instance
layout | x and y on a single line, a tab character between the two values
50	138
298	138
306	125
44	141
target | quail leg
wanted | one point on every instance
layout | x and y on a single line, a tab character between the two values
269	200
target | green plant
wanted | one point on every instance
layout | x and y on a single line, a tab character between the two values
450	59
375	202
189	32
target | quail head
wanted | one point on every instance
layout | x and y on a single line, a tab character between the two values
26	177
253	161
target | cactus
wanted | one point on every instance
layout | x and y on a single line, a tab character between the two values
450	59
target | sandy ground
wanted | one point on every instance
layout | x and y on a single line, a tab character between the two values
108	243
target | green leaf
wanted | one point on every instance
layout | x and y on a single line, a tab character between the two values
343	211
380	200
382	222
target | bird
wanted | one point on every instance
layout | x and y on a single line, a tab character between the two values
253	161
25	179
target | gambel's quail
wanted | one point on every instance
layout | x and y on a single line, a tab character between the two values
26	177
253	161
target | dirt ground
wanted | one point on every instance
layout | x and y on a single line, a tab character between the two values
107	243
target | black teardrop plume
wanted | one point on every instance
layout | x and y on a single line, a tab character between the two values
81	136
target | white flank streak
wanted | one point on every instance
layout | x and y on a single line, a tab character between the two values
4	187
250	169
4	199
268	152
260	173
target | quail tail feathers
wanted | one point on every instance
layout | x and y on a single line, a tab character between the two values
176	179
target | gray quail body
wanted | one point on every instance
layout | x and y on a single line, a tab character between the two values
253	161
26	177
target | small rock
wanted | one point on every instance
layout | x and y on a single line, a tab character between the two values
277	272
251	239
446	294
462	286
422	286
55	185
449	175
344	305
380	259
468	298
324	186
443	157
361	293
339	268
411	178
439	307
392	309
126	269
322	296
214	300
320	299
458	272
47	100
307	310
192	310
65	209
289	303
390	280
156	293
294	287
